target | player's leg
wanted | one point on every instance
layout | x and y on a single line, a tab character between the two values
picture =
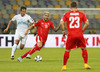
14	47
20	58
81	44
38	46
65	59
18	46
31	51
22	46
70	44
28	54
85	57
22	42
35	48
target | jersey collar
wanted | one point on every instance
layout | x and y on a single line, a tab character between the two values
45	21
73	11
22	16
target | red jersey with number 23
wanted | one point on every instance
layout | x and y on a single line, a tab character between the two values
74	22
43	28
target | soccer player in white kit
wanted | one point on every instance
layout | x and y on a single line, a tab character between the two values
22	25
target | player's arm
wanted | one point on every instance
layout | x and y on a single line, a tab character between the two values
85	26
34	25
29	29
62	27
56	29
31	20
10	22
35	29
85	20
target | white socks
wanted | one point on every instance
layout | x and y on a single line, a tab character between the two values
14	49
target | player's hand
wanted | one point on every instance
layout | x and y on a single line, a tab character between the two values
26	32
5	30
64	33
34	34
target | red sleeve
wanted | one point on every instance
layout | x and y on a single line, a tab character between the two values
37	23
52	26
64	18
84	18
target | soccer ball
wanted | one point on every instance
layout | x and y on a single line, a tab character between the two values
38	58
62	45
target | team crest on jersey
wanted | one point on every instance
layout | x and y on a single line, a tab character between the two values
46	26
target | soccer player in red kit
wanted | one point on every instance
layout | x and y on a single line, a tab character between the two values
43	29
75	38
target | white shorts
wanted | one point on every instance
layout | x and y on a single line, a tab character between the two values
21	37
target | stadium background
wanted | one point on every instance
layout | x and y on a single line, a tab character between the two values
9	8
52	57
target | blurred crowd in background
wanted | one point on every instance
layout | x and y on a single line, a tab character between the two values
9	8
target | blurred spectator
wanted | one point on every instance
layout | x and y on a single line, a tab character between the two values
92	31
4	27
0	13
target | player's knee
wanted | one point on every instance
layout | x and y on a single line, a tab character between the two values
39	44
17	42
21	47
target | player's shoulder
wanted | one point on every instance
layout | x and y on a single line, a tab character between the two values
27	15
17	15
67	13
39	21
81	12
50	21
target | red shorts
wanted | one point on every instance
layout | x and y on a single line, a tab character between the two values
75	42
39	39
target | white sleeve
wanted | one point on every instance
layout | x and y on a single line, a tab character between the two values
31	20
14	18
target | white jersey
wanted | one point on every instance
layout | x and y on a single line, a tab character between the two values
22	22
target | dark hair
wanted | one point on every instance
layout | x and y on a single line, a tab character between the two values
22	8
5	24
73	4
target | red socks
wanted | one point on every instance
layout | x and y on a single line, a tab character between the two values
85	55
30	51
33	50
65	58
25	54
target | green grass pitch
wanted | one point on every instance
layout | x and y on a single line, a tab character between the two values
51	62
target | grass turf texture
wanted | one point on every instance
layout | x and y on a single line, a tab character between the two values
52	61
